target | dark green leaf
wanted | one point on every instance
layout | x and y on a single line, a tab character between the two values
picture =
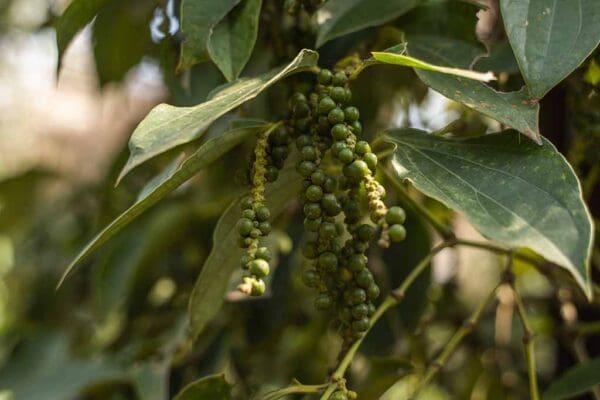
166	126
75	18
550	38
232	40
513	109
198	19
210	151
212	284
499	59
213	387
340	17
577	380
512	191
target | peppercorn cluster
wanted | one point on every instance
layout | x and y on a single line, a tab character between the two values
338	171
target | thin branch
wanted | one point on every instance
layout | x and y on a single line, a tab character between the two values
296	387
528	335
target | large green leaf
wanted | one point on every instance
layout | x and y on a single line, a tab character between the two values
340	17
211	286
550	38
198	19
232	40
168	181
213	387
577	380
75	18
513	109
513	191
166	126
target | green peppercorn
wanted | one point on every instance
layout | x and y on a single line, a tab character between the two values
255	233
303	140
305	168
335	116
247	202
318	177
336	147
357	296
371	160
263	253
361	148
259	267
310	277
351	114
365	232
330	204
303	125
338	395
360	311
244	260
265	227
312	210
245	226
346	315
372	309
314	193
327	231
312	225
242	242
330	184
249	214
361	246
323	302
364	278
361	325
298	97
397	233
373	292
328	261
262	213
324	77
338	94
340	132
310	250
326	104
357	262
271	173
357	170
356	127
346	156
301	110
344	275
258	287
339	78
395	215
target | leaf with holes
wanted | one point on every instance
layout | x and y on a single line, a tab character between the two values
513	191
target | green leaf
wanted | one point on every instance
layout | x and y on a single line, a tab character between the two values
198	19
212	283
577	380
233	39
550	38
169	180
166	126
513	109
512	191
77	15
213	387
340	17
407	61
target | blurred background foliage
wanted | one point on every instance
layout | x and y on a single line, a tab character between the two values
118	328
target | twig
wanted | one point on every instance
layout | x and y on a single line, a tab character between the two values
296	387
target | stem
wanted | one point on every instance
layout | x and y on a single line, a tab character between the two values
296	388
498	249
393	299
454	341
528	335
442	229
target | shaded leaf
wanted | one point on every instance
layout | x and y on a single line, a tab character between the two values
213	387
210	151
514	109
233	39
150	380
512	191
499	59
77	15
577	380
550	38
212	284
198	19
166	126
340	17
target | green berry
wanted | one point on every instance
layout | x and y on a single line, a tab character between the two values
330	184
328	261
344	275
298	97
303	140
346	315
330	204
357	296
245	226
336	147
372	309
314	193
335	116
258	287
360	311
265	227
371	160
259	267
339	79
312	210
303	125
328	231
364	278
318	177
326	105
324	77
397	233
262	213
361	246
247	202
362	148
263	253
351	114
340	132
338	94
310	277
357	262
312	225
395	215
255	233
310	250
356	127
373	292
249	214
338	395
361	325
323	302
365	232
301	110
357	170
244	260
306	168
309	153
272	173
346	156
